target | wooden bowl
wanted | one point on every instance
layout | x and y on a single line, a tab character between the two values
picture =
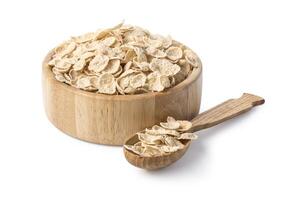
111	119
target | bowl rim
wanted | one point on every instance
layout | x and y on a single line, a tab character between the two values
192	77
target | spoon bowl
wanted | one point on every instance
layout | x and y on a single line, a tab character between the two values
154	162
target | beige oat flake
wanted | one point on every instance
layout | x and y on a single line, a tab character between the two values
112	67
174	53
98	63
170	124
164	67
191	57
106	84
138	80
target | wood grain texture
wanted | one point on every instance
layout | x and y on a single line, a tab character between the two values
224	111
111	119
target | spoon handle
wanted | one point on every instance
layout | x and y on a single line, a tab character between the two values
225	111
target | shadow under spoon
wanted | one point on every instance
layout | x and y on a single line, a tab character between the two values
220	113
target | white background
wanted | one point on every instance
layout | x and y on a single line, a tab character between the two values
242	45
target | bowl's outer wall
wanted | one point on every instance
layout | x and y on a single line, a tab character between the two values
106	119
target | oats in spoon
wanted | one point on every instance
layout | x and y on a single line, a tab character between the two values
164	139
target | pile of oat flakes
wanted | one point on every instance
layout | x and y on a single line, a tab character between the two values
122	60
163	139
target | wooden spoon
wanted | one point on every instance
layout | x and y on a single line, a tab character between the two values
222	112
